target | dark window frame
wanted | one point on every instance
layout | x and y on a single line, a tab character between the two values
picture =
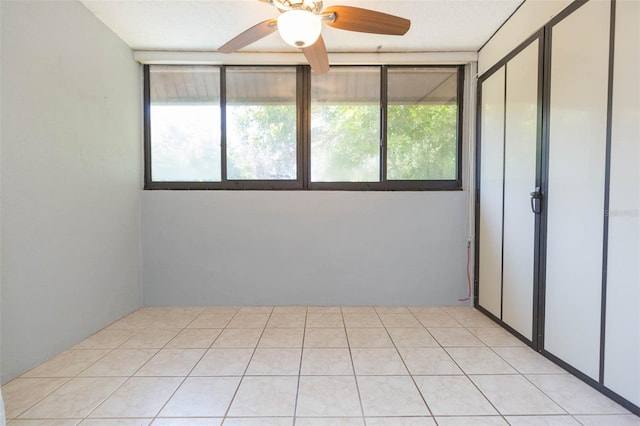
303	141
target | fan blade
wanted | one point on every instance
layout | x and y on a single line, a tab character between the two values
317	56
251	35
366	21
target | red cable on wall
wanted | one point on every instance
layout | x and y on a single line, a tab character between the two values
468	274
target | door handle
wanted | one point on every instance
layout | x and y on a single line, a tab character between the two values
536	201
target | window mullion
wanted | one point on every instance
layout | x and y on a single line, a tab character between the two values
223	124
383	123
303	96
147	128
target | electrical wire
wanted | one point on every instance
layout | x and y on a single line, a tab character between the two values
468	274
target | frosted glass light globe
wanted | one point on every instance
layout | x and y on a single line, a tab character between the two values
299	28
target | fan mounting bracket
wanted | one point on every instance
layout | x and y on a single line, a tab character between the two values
308	5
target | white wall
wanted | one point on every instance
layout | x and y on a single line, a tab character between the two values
303	247
529	18
70	172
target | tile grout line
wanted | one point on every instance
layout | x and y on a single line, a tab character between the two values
475	385
405	364
127	378
304	333
468	376
547	395
407	367
518	373
192	368
464	373
242	377
157	351
353	366
70	378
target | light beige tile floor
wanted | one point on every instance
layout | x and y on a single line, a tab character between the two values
304	366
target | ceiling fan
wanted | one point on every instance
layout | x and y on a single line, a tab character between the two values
300	24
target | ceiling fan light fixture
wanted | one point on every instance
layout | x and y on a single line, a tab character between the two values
299	28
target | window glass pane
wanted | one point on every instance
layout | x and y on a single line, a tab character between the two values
185	123
261	123
345	125
422	124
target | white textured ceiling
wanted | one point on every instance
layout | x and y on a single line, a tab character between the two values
436	25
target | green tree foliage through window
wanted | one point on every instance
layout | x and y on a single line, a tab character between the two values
261	142
421	142
345	143
261	123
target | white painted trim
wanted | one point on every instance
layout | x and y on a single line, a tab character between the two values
156	57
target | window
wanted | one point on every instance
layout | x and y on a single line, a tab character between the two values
259	127
222	128
422	124
261	123
185	124
345	125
